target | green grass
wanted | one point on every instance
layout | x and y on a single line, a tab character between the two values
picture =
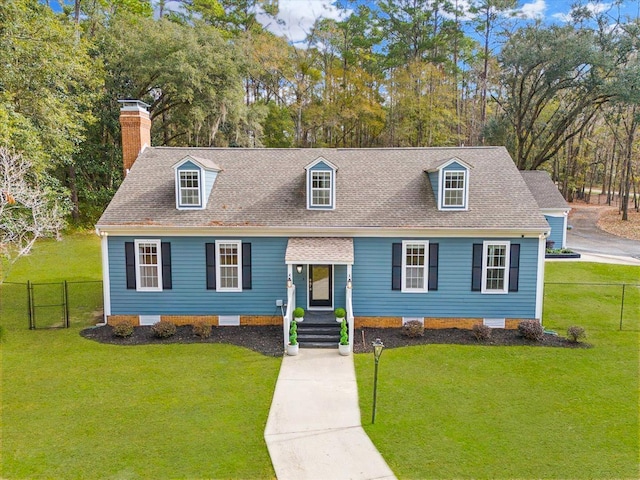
72	408
518	412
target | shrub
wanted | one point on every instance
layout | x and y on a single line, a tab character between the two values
531	330
164	329
340	312
413	329
344	333
575	333
298	312
202	329
123	329
481	332
293	333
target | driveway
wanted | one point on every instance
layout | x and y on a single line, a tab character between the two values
586	238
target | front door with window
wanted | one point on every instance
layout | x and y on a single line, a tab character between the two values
320	286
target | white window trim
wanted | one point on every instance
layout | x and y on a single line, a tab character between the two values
332	190
485	250
238	244
425	287
465	193
158	245
179	203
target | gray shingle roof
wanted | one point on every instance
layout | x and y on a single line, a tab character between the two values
319	250
544	190
376	188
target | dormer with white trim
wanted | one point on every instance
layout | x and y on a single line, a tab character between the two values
321	185
194	179
450	182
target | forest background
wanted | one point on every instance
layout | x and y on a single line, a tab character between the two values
561	95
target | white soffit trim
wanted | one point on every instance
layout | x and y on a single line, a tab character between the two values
238	231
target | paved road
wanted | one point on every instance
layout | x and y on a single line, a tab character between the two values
585	237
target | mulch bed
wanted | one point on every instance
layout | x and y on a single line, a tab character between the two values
267	340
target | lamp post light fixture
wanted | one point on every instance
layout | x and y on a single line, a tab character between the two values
377	351
299	269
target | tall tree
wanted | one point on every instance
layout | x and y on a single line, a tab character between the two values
29	208
554	79
488	15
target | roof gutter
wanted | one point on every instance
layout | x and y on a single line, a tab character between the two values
262	231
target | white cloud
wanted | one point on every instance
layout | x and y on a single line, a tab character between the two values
592	7
296	17
532	11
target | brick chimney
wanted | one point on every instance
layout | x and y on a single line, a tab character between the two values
136	130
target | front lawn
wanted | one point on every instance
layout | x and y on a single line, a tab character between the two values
518	412
73	408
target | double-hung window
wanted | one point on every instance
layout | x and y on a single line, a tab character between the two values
495	267
229	266
321	188
148	265
189	188
454	189
414	266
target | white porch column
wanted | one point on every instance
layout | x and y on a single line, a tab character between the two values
106	286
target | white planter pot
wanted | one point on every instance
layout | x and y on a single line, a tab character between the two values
344	350
299	319
293	349
339	320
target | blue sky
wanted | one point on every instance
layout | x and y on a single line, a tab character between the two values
297	16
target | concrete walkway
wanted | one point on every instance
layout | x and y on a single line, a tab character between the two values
313	430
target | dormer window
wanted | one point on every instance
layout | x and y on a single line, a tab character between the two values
454	189
321	185
450	180
190	188
194	180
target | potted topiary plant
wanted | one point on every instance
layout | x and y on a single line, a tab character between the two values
343	346
340	314
298	314
292	347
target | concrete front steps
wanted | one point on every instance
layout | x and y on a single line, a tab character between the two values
319	330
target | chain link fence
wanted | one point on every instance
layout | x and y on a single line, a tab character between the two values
43	305
602	306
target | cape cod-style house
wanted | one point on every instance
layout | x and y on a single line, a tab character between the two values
450	236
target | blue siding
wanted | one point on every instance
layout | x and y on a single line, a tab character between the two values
372	294
454	166
557	227
209	180
435	183
189	165
321	166
189	295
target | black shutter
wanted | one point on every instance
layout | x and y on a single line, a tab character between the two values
165	247
210	253
246	266
514	267
130	262
476	268
396	267
433	266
